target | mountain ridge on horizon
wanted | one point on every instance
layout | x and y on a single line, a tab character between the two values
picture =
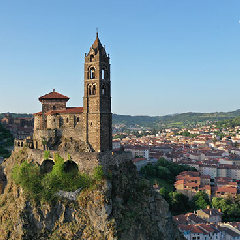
170	120
174	120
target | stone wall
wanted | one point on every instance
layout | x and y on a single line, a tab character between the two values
37	122
53	104
48	136
86	161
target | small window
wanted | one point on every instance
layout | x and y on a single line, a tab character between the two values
91	58
77	119
92	73
94	90
103	74
89	89
67	120
54	107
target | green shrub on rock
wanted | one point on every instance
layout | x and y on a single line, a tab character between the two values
44	186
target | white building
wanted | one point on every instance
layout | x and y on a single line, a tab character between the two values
138	151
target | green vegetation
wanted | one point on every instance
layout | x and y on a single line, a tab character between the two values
200	201
230	208
230	123
4	152
220	134
164	170
44	186
121	136
188	134
164	173
6	140
46	155
174	120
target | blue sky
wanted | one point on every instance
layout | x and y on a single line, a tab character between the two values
167	56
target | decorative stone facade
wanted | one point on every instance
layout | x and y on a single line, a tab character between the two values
90	124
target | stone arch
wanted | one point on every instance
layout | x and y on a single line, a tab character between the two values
104	72
94	89
47	166
89	89
70	166
91	58
91	73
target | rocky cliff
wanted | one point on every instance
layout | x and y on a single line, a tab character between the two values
120	206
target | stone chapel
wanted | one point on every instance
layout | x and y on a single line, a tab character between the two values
90	125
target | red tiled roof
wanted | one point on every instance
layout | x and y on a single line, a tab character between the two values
139	159
72	110
53	95
227	189
68	110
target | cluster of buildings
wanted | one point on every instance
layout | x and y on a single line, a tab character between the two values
212	151
20	127
206	224
189	183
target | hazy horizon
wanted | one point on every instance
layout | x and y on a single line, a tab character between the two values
137	115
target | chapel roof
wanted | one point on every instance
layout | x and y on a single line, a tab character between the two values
53	95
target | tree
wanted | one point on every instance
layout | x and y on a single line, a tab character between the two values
163	172
164	193
200	201
178	203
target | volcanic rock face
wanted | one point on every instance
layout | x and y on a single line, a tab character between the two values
122	206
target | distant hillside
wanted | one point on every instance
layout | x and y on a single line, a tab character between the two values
174	120
229	123
16	115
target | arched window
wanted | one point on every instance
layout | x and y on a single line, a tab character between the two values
103	73
91	58
67	120
77	119
94	90
92	73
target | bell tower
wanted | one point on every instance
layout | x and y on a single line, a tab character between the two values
97	116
